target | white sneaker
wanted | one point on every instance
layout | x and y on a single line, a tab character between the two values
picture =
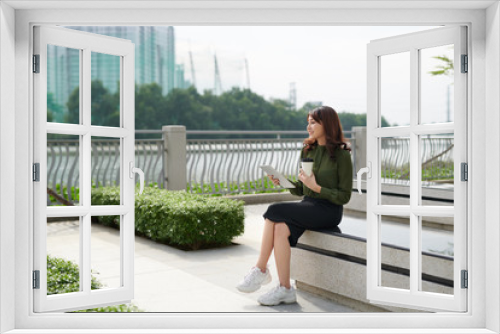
279	295
254	280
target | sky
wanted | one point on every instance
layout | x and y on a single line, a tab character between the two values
327	64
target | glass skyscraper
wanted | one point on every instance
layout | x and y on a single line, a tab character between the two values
154	62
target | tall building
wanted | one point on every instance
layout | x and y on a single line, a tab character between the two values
171	70
154	62
63	76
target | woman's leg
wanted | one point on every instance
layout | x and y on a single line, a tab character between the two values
282	253
267	245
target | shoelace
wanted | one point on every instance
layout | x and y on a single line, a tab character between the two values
251	275
273	290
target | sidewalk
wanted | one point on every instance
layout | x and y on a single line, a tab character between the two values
172	280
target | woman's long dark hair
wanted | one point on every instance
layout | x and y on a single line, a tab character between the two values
329	118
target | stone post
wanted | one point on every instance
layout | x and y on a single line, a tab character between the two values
174	157
360	158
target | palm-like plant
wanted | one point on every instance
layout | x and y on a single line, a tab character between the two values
446	68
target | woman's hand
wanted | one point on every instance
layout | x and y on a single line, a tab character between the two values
309	181
275	181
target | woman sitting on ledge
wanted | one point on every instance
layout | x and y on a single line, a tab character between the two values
325	192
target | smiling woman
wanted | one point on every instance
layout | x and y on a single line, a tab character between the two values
326	190
17	217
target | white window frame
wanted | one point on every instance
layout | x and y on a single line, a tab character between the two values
484	212
414	296
85	43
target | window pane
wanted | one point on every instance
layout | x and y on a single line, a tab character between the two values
63	255
436	84
395	253
106	154
105	89
437	254
63	170
395	170
63	82
395	89
437	169
105	257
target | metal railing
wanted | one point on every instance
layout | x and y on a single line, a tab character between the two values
224	166
437	160
63	170
228	166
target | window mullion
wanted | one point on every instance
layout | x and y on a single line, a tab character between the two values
86	161
414	171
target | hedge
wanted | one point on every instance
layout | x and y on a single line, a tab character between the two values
63	276
178	218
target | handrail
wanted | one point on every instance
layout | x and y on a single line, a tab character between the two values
222	166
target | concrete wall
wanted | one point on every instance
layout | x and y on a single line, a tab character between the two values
7	159
492	186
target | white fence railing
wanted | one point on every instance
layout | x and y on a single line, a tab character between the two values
225	165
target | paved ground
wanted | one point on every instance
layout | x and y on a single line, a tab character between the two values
171	280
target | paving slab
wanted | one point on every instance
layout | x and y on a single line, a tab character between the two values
171	280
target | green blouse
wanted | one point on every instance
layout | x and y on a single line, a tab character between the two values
334	177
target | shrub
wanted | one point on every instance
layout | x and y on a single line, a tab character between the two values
177	218
260	186
63	276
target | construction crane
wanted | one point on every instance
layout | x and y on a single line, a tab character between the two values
247	73
217	79
193	78
293	96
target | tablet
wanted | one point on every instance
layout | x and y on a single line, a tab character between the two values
277	175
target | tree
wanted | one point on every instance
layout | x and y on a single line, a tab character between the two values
105	107
446	68
150	107
236	109
54	110
183	107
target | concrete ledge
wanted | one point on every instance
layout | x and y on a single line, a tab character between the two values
338	278
335	264
265	198
357	203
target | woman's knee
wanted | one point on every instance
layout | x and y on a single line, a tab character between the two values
281	230
269	222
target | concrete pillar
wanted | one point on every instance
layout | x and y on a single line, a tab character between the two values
360	144
174	157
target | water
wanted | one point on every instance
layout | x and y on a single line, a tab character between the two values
433	240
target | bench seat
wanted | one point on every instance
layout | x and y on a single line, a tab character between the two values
333	263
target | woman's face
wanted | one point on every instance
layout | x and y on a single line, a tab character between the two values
315	129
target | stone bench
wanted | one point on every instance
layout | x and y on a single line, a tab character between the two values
333	264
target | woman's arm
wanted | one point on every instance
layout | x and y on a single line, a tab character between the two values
298	190
299	186
342	194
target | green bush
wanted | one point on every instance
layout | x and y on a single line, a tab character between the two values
260	186
74	193
178	218
63	276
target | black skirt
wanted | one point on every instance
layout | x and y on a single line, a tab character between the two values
309	214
